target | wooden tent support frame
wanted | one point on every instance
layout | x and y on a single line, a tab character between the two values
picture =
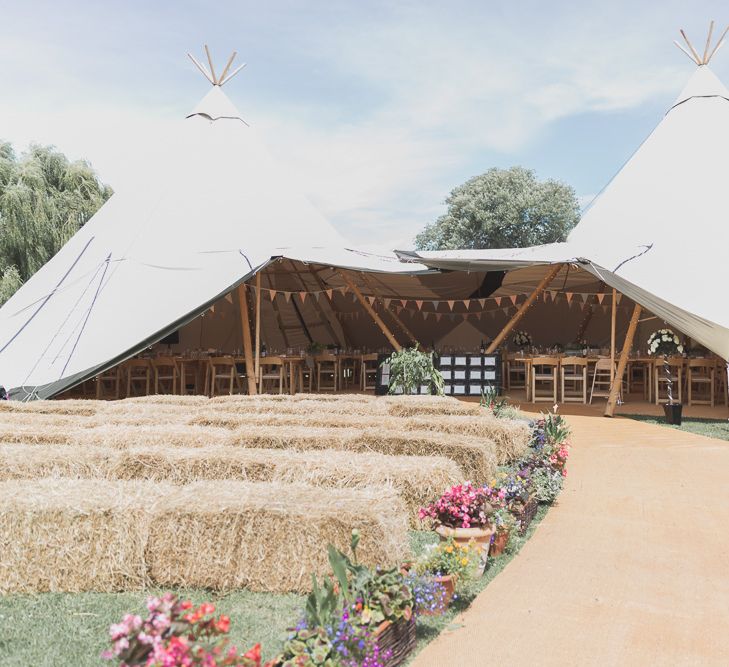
337	335
582	330
245	320
392	314
543	284
623	362
371	311
258	326
613	318
337	330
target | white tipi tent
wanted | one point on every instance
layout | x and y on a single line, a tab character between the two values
217	209
658	231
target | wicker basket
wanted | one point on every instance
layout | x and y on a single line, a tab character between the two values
525	514
398	638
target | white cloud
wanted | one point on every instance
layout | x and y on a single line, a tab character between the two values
439	86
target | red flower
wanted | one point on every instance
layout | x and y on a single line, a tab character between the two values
254	653
223	624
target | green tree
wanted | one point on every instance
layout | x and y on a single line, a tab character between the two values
44	201
503	208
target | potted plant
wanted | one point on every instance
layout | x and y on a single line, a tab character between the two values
666	343
411	369
450	562
431	593
464	514
504	523
513	489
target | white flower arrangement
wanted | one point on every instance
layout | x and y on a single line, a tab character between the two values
522	339
664	341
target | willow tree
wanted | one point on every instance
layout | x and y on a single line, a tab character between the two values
44	201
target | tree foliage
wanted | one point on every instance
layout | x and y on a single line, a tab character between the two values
503	208
44	201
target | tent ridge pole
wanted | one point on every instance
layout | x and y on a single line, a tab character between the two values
544	283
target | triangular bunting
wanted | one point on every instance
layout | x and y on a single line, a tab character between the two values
466	303
387	302
329	293
272	293
498	300
451	304
287	296
569	296
600	297
482	303
618	297
404	303
513	299
302	296
371	299
419	304
229	297
585	297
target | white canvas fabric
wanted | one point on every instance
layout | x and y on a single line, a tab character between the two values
211	211
658	231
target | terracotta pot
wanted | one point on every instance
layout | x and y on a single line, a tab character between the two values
481	537
448	581
499	543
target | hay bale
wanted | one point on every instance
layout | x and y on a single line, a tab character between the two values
416	479
158	435
74	535
65	407
163	400
510	437
474	456
35	435
268	537
411	406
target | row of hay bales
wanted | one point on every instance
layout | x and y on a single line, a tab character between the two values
227	492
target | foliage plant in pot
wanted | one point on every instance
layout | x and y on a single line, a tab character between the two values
410	369
504	523
449	563
665	343
522	339
464	514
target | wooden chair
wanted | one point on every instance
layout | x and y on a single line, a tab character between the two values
188	370
516	372
273	371
573	372
308	370
327	372
602	376
108	384
368	371
348	371
701	374
222	376
545	373
139	373
721	380
165	375
675	366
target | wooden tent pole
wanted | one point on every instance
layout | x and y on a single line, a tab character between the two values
277	313
623	362
245	321
544	283
612	334
371	311
588	315
392	314
338	332
258	326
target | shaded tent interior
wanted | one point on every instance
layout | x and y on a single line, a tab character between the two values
303	303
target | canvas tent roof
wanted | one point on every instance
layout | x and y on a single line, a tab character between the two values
215	209
658	231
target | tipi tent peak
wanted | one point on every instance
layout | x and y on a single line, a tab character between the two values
211	75
708	50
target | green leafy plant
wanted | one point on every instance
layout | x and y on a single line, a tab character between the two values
547	484
556	428
491	400
410	368
450	558
307	648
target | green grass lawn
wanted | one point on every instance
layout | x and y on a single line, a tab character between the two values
712	428
53	629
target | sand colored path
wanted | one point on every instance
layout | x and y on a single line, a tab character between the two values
630	568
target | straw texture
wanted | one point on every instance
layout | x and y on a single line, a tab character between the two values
268	537
417	479
70	535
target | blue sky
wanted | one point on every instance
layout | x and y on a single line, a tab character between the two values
378	108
